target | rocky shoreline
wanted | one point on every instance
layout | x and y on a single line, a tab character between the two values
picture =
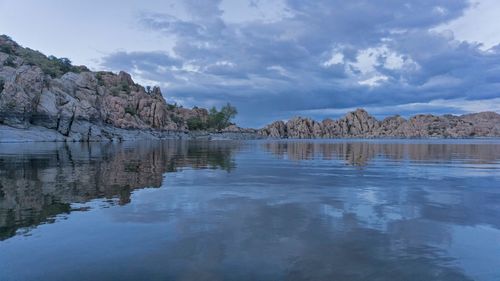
356	124
49	99
41	134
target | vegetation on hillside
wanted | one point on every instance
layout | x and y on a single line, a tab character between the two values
51	65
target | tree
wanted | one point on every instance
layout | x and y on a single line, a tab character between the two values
229	112
221	119
65	64
215	118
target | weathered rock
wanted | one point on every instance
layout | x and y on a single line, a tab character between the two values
357	124
390	127
360	124
235	129
277	129
485	123
81	106
301	128
76	104
21	92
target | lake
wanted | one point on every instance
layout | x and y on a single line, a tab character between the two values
253	210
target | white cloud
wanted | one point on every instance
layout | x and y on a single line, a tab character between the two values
336	58
480	23
370	60
190	67
225	63
374	81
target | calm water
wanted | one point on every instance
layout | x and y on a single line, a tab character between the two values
287	210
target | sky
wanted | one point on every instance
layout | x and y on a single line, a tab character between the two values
276	59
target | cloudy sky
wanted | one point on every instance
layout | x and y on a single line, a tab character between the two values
276	59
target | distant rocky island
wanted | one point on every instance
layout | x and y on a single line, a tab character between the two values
49	99
359	124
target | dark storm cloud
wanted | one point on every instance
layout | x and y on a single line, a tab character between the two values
322	55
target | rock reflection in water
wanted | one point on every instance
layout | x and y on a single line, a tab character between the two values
38	184
359	153
288	210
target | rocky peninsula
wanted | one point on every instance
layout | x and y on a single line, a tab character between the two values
49	99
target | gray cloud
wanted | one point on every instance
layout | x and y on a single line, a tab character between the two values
323	55
143	60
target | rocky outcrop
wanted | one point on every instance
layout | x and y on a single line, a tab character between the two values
484	123
79	104
359	124
299	127
277	129
356	123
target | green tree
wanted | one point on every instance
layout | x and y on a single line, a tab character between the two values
214	118
221	119
65	65
229	112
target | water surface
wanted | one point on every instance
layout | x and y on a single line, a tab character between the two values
257	210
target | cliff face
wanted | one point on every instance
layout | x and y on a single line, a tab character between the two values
360	124
79	104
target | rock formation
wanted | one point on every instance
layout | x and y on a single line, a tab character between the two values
36	90
359	124
48	99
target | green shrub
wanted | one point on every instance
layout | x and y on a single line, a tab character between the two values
100	79
6	49
215	119
195	123
176	119
171	106
10	61
125	87
53	66
114	91
130	111
11	104
132	167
